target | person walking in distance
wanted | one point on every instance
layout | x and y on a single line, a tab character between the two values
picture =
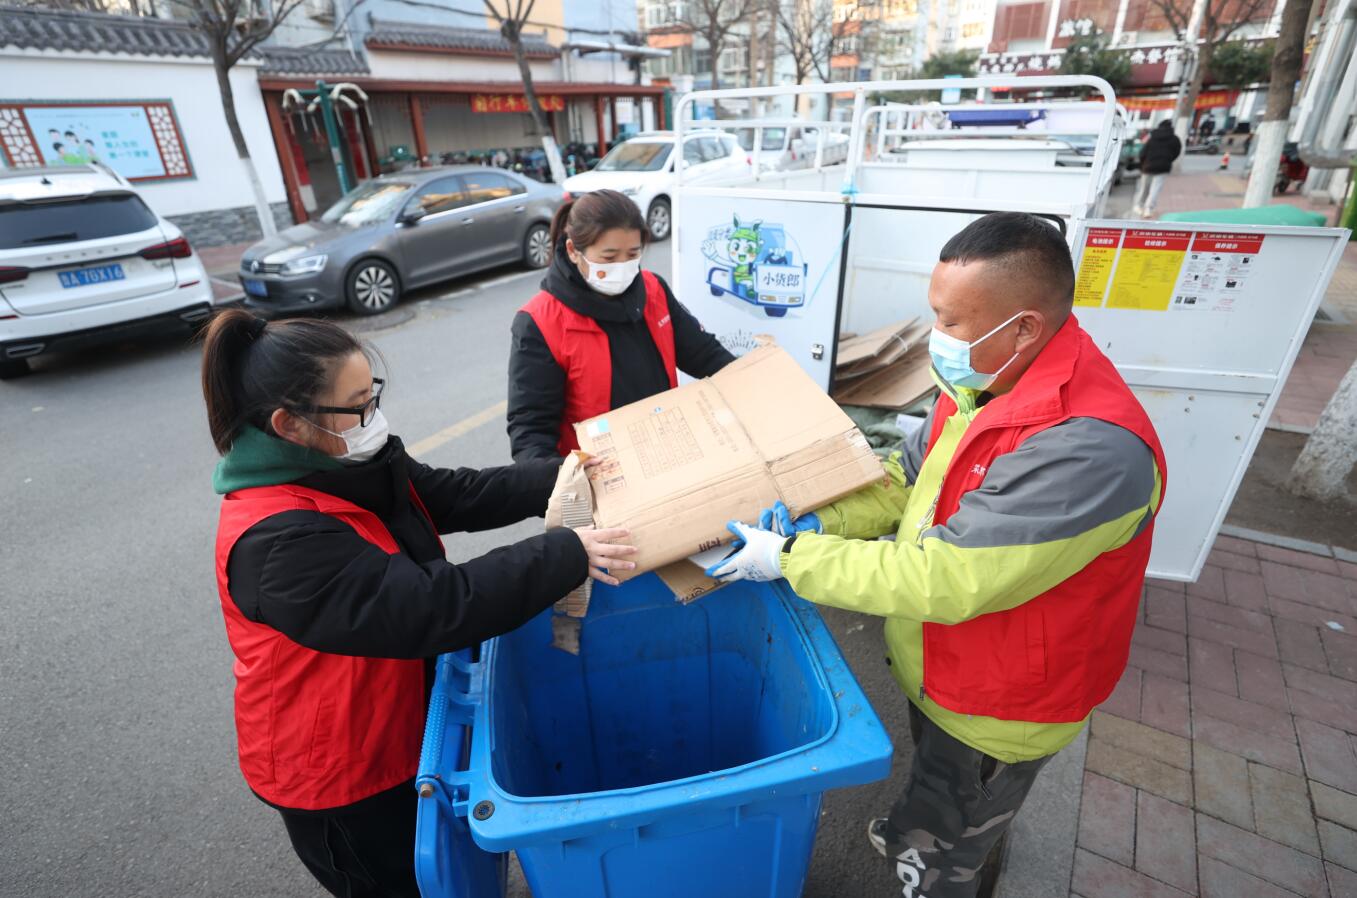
1156	161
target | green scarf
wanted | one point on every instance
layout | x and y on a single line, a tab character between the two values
257	459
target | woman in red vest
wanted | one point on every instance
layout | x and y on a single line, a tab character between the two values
337	593
601	334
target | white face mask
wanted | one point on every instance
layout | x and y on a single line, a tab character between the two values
610	278
361	443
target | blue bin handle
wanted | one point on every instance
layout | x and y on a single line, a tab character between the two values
458	691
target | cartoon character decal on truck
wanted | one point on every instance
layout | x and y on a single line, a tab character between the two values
758	263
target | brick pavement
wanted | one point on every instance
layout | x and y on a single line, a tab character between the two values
1225	763
1330	348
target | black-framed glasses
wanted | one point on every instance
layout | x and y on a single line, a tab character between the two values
364	411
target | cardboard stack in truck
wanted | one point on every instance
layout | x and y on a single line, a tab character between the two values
887	368
676	467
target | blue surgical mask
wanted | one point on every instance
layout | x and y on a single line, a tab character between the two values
952	359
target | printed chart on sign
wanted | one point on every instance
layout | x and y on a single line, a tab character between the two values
1216	271
1158	270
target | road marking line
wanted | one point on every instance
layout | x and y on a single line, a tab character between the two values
461	428
507	279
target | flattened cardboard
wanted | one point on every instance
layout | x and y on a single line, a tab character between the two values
860	348
688	582
571	505
678	466
896	386
908	340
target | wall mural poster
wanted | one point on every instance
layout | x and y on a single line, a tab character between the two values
120	137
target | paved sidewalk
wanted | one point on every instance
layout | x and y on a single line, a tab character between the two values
1331	346
1225	764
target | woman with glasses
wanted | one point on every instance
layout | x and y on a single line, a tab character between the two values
336	591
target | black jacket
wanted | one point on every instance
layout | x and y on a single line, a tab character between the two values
537	383
314	579
1156	157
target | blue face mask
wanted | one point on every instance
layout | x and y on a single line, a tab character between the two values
952	359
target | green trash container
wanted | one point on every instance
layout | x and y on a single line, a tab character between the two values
1279	214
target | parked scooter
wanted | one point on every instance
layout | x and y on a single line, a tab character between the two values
1290	169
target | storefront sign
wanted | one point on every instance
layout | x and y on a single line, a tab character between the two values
514	103
140	141
1207	99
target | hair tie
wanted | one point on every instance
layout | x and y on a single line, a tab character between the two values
256	327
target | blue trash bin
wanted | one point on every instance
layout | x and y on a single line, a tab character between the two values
682	753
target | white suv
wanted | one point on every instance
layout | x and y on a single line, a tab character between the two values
83	260
643	169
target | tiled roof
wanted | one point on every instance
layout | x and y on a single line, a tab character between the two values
301	61
406	35
48	29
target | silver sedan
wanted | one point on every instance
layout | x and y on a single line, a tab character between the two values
398	232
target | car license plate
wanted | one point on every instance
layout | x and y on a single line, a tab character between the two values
85	277
255	288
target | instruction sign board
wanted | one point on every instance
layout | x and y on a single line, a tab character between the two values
1154	269
1204	322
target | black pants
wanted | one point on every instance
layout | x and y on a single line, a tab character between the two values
957	804
366	850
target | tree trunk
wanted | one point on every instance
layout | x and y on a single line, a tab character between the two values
1287	59
539	118
1187	104
228	106
1324	465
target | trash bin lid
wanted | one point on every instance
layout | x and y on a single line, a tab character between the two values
1278	214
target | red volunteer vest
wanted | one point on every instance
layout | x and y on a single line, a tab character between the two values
316	730
581	348
1057	657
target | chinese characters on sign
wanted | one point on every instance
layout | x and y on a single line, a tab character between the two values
139	141
514	103
1159	270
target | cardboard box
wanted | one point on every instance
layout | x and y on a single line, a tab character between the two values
678	466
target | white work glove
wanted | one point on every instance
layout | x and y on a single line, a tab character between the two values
759	555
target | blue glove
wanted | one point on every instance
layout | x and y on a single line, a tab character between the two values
779	520
758	556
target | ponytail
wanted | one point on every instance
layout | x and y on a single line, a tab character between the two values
585	218
559	223
252	367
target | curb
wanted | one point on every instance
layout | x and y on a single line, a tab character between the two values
1288	542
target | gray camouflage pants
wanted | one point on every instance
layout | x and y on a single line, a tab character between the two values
957	804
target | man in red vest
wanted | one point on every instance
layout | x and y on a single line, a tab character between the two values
1022	513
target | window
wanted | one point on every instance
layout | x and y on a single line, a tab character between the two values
88	218
655	15
368	203
702	60
692	152
733	59
484	187
442	195
635	156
